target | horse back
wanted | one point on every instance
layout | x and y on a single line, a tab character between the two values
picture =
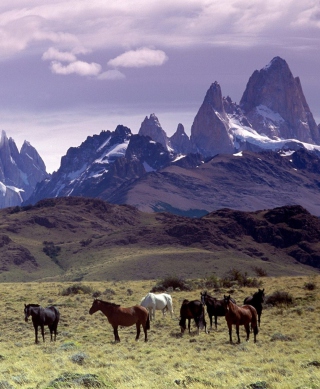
251	313
51	315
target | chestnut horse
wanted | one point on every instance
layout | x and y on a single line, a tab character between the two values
244	315
256	301
192	310
126	317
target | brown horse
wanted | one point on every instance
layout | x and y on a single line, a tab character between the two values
126	317
244	315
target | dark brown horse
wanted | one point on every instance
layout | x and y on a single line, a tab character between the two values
192	310
126	317
42	317
215	307
256	301
244	315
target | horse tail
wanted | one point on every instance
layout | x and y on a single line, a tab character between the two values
254	320
148	323
169	304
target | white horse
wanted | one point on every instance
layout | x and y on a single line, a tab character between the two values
161	301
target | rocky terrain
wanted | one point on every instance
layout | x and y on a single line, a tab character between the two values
75	238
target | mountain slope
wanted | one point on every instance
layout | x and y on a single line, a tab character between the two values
78	238
247	181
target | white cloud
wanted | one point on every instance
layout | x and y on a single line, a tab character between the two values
139	58
101	25
54	54
113	74
78	67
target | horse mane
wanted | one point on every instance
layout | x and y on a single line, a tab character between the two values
108	303
33	305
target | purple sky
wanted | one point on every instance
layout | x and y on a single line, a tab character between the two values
69	69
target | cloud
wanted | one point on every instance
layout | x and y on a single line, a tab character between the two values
78	67
139	58
54	54
111	75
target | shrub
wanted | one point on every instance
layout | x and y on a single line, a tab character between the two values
171	282
236	276
310	285
85	242
212	282
68	380
260	272
279	298
51	250
77	289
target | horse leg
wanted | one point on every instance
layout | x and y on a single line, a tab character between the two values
51	331
215	322
189	322
255	332
237	329
247	327
259	315
230	333
42	331
138	330
116	335
35	333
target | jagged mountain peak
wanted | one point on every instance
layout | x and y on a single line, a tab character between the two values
274	103
276	62
151	127
214	97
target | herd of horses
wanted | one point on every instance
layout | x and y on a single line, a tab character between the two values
248	315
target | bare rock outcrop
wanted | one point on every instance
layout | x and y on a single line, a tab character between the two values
275	105
180	142
209	131
151	127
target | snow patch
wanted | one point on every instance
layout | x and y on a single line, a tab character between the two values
148	168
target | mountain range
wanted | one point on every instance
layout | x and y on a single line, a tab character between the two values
261	153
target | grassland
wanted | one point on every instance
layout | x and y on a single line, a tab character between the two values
285	356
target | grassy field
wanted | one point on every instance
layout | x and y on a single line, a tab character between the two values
85	355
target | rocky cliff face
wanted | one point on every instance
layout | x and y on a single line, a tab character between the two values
180	141
275	105
210	129
19	171
151	127
101	164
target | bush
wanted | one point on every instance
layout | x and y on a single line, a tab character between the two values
310	285
260	272
171	282
279	298
51	250
212	282
235	276
77	289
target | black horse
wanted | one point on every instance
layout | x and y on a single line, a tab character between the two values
256	301
215	307
42	317
192	310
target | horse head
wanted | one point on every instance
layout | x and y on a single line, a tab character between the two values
95	307
26	312
226	301
260	295
203	297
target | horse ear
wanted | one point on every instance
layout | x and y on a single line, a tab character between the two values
25	305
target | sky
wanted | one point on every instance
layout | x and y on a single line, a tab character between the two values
70	69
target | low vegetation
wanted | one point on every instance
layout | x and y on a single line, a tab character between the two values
85	355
